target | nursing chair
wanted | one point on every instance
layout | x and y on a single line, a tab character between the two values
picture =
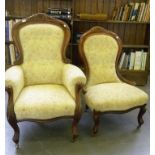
41	85
106	90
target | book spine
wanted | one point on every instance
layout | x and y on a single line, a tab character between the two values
132	60
135	12
12	53
143	8
121	60
7	30
68	17
138	60
144	58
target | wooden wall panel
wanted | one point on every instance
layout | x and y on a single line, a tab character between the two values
34	6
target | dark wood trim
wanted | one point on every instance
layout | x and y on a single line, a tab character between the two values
78	111
97	30
42	19
96	118
140	116
96	115
11	117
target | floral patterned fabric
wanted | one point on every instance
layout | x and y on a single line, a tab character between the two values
72	76
14	78
101	52
43	86
114	96
41	44
44	102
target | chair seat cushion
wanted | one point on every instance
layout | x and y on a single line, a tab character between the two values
44	102
114	97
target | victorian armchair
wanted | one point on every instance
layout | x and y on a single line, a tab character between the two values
106	90
41	85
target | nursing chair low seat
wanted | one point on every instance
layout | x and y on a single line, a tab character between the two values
106	91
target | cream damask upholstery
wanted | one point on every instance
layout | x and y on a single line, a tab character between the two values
114	97
105	90
42	53
44	102
101	51
14	78
42	86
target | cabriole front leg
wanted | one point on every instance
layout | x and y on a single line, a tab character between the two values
140	116
11	117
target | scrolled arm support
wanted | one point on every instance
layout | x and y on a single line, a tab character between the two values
14	79
74	80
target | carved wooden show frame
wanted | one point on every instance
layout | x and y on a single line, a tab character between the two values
11	116
97	30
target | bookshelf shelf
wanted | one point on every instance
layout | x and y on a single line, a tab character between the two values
9	42
136	46
109	21
132	71
14	17
134	34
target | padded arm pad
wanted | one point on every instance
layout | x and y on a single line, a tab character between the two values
72	76
14	78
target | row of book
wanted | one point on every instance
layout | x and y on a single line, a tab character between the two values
8	28
10	54
63	14
133	12
133	60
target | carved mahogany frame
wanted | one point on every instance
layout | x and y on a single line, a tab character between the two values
11	116
97	30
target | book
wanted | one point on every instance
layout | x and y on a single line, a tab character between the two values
131	10
7	55
132	60
144	58
12	53
58	11
7	30
135	12
146	17
138	60
65	17
126	61
142	12
10	29
126	14
120	13
121	60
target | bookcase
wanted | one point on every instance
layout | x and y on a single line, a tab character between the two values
134	34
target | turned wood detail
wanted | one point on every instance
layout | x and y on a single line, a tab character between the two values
11	117
140	116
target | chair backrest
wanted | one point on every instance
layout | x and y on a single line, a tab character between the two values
41	41
100	50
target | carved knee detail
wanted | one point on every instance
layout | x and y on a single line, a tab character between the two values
140	116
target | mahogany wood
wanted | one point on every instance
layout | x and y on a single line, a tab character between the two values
95	31
41	18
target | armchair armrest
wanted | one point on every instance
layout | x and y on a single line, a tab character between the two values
73	76
14	79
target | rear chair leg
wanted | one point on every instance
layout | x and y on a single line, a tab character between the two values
74	129
96	122
140	116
